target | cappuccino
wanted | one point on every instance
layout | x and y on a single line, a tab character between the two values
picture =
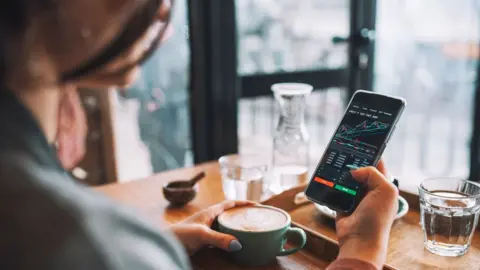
254	219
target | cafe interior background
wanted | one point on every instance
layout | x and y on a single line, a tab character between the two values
206	92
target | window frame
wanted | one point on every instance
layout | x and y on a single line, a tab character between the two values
216	87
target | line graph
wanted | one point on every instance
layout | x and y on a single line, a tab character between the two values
362	129
362	138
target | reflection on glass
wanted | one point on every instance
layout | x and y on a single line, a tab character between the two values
161	96
421	54
291	35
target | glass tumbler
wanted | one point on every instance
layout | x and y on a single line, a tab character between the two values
449	210
243	177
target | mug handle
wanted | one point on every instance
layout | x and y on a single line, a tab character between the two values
303	237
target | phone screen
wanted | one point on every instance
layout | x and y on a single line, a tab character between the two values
358	142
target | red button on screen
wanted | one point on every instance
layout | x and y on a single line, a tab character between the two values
323	181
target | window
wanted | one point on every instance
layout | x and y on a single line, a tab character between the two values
285	38
422	56
289	35
419	55
158	106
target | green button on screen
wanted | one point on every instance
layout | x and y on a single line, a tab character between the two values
346	190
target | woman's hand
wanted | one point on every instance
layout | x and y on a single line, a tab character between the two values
195	232
364	234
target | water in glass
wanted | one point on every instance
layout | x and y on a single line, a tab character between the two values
449	218
243	177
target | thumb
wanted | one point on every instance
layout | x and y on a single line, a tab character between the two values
220	240
382	168
373	179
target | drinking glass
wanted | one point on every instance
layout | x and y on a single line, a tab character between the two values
449	214
243	177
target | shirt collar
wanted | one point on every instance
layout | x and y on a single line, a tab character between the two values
21	132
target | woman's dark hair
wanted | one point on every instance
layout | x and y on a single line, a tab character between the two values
13	20
137	26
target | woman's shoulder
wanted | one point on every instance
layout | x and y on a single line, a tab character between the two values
45	213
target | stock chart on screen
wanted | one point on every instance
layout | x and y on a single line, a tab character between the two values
356	144
360	139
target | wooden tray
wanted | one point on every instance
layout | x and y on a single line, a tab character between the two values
405	248
318	253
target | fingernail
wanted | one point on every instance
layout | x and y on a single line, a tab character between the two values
234	246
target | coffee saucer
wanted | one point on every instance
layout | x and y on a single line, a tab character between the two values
402	209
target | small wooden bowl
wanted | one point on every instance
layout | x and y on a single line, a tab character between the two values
178	193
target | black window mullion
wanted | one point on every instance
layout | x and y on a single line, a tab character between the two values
214	82
475	139
361	48
259	85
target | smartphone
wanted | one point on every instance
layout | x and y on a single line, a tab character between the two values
359	141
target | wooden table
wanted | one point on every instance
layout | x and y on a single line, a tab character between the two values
406	242
146	194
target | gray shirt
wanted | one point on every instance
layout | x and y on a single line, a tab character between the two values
49	221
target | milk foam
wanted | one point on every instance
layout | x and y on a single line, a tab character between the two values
253	219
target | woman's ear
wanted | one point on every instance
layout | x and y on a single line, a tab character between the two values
72	129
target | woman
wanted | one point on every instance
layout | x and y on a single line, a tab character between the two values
48	48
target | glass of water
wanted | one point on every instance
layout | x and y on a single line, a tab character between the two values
243	177
449	210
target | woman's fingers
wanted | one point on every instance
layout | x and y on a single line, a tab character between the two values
211	213
220	240
221	207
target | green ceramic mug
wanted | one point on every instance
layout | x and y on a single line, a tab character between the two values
262	231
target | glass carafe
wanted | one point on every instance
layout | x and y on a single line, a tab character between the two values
290	141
